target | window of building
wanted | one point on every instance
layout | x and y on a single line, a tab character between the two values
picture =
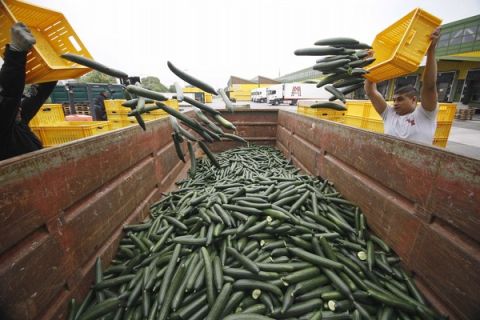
469	34
456	37
443	40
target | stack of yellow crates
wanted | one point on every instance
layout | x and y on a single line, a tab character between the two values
50	127
118	115
362	114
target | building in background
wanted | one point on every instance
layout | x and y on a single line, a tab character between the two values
198	94
239	89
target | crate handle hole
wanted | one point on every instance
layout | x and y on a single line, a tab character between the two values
74	43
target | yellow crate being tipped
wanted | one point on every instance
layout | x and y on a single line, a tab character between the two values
54	37
400	48
47	115
69	131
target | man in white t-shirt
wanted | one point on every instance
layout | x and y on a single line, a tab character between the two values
404	119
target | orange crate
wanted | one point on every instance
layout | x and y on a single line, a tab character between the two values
446	111
69	131
47	115
54	37
400	48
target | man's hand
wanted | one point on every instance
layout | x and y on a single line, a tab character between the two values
21	38
434	37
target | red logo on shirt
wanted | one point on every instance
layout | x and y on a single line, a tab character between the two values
411	121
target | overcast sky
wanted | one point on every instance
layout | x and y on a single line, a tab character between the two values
214	39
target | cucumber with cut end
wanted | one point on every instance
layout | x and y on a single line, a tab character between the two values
142	92
192	80
336	41
322	51
94	65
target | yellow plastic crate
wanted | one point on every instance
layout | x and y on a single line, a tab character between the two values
440	142
322	113
48	114
69	130
358	108
443	129
54	37
354	121
116	124
115	105
122	117
373	125
446	112
400	48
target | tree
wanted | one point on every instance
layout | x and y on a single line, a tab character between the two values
172	88
153	83
97	77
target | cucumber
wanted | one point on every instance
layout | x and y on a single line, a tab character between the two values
336	93
244	261
105	307
209	154
207	121
200	105
94	65
247	316
322	66
142	92
339	41
323	51
192	80
224	122
208	276
348	82
225	99
246	284
217	308
178	147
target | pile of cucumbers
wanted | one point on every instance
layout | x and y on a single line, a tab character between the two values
343	67
252	238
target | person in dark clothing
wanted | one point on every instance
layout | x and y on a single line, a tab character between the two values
99	106
16	138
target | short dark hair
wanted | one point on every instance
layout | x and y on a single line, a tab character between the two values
409	91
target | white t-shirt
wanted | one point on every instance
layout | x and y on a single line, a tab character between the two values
418	126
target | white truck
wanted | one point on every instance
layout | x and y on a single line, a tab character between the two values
259	95
292	92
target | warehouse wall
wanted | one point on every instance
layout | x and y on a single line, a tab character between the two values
424	202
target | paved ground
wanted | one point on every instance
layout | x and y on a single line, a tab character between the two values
464	136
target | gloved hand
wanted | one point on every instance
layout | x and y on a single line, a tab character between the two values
21	38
